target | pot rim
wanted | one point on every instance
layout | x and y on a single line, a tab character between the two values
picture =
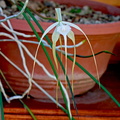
89	29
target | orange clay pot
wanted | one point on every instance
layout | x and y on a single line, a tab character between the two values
102	37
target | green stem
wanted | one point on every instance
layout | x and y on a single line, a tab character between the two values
1	106
94	54
97	82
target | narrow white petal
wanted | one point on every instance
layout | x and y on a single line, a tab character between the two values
48	29
74	26
58	12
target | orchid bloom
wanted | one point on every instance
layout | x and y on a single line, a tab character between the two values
64	28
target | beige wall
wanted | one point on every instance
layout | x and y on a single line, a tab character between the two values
111	2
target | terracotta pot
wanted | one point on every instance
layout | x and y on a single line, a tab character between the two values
102	37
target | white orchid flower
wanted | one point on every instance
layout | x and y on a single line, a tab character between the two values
64	28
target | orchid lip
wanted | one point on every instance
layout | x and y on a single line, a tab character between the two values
63	29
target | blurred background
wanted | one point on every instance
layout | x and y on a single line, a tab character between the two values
111	2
